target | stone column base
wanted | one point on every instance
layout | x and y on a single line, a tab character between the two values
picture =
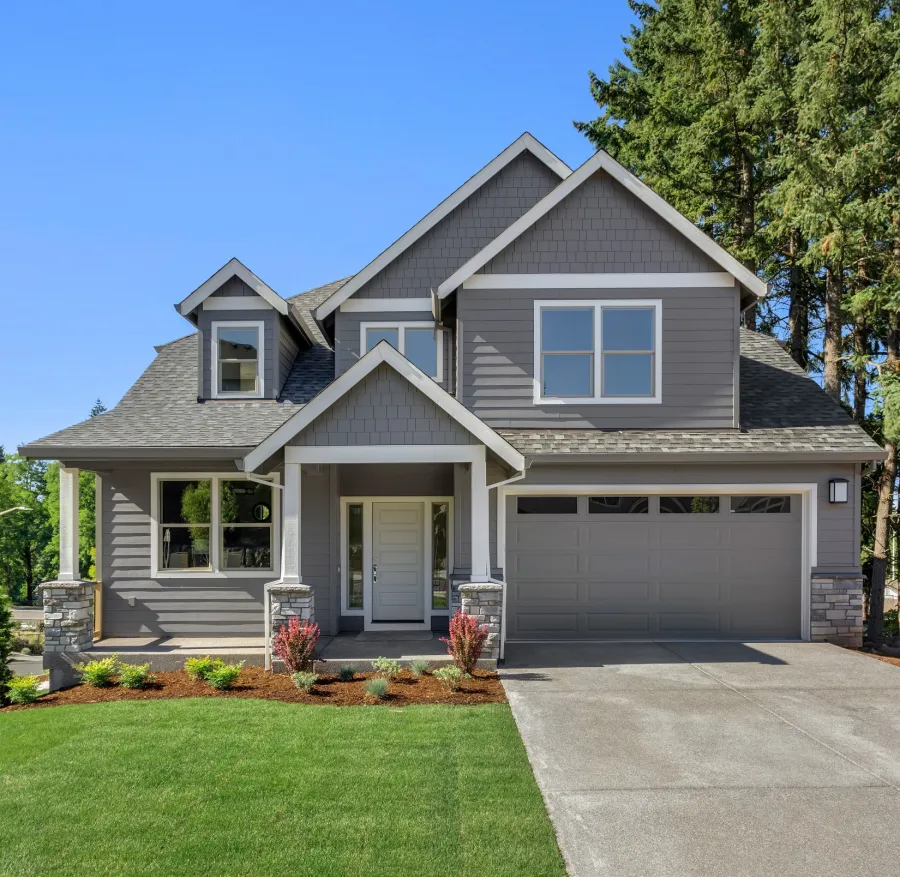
286	602
836	608
68	628
484	600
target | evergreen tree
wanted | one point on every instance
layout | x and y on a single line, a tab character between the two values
98	408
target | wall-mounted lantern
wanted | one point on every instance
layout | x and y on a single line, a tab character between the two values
838	490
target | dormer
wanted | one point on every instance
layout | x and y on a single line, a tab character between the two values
248	335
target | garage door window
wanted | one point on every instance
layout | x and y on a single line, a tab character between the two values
688	505
618	505
761	505
547	505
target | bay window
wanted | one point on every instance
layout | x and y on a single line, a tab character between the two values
597	352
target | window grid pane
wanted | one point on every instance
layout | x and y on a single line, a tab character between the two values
355	556
689	505
628	374
385	333
440	572
761	505
618	505
185	547
547	505
567	375
567	330
421	349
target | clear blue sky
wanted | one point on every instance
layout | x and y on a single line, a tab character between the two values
143	145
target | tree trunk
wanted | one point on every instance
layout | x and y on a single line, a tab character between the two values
886	482
860	371
834	291
748	224
799	308
29	577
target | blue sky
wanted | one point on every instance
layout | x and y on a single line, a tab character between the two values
144	145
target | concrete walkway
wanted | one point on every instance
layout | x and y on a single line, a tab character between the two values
753	760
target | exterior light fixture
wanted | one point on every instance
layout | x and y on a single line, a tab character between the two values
838	490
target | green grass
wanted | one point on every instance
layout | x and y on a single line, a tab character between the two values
244	788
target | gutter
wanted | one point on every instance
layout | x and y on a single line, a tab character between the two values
700	457
100	454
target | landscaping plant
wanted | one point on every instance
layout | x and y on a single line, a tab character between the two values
99	674
466	640
200	668
386	667
6	637
304	681
377	687
23	689
346	673
418	666
224	677
135	675
295	644
450	676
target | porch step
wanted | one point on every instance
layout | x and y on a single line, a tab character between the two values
408	636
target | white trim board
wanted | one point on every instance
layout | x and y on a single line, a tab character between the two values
215	528
381	353
260	327
235	303
231	269
401	327
383	453
809	493
525	142
659	280
393	305
603	161
366	611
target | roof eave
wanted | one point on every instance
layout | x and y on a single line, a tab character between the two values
103	454
702	457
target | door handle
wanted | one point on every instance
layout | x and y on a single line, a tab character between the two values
374	573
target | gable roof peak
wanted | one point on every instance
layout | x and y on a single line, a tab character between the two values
232	268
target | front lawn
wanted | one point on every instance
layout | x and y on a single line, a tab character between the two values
256	788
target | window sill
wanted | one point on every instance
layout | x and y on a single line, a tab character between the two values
208	574
221	396
599	400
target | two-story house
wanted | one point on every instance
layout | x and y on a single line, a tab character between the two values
540	395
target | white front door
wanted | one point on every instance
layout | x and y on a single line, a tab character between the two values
398	562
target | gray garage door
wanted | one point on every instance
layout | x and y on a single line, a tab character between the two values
627	567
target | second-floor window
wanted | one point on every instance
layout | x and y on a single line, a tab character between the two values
420	343
237	358
597	352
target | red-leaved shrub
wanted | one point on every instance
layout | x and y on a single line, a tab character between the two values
295	644
466	640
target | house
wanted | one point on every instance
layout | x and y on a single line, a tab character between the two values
538	402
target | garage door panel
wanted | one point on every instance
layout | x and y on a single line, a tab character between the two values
599	592
546	591
676	576
611	623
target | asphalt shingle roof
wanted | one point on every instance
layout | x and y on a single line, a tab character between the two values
782	409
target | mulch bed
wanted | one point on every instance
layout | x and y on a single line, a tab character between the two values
254	682
886	658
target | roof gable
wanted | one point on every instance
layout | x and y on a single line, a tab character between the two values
232	268
382	353
424	225
603	161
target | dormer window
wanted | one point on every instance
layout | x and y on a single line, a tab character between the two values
237	360
421	343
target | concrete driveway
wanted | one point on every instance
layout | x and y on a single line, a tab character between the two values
713	758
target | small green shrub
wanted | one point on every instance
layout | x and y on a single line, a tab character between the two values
6	637
224	677
99	674
891	622
135	675
304	681
23	689
200	668
450	676
386	667
377	687
418	666
347	673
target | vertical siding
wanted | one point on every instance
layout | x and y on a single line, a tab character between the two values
347	337
196	606
600	227
837	533
496	331
464	231
270	340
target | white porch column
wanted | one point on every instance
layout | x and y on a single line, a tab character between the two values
290	526
480	514
68	525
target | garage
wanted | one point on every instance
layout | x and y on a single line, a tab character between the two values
654	566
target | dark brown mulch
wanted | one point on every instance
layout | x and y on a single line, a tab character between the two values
254	682
886	658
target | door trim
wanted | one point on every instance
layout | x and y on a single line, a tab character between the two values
809	546
366	612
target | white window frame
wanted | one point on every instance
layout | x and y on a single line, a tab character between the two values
260	326
366	612
598	305
401	328
215	537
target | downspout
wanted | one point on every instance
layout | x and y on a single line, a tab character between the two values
500	498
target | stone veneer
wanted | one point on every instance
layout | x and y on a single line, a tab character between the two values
484	600
836	608
287	601
68	628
